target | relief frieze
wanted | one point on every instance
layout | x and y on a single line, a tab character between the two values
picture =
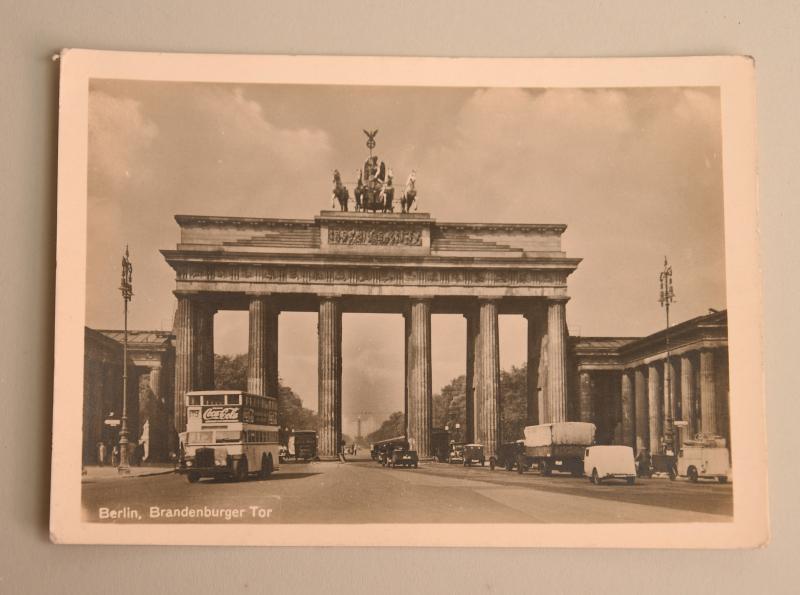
344	275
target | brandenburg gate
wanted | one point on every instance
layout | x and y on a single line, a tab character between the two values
408	264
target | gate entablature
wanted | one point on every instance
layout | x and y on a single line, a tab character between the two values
370	255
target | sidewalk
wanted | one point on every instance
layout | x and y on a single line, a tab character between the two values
93	473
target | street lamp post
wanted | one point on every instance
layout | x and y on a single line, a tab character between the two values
667	297
126	287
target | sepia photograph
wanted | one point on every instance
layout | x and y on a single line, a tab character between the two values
310	301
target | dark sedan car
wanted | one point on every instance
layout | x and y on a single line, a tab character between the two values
507	455
404	458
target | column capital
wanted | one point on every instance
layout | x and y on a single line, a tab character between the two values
329	296
558	299
484	299
420	298
185	293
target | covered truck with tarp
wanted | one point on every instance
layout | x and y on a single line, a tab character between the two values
556	446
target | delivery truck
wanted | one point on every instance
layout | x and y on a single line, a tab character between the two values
556	447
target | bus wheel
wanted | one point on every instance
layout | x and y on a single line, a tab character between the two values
492	463
692	473
595	477
193	476
241	470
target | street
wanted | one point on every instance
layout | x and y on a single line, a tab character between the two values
364	492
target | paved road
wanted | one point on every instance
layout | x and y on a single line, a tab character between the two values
365	492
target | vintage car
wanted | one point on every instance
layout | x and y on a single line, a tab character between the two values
507	455
402	457
382	451
440	444
473	453
456	454
609	462
701	459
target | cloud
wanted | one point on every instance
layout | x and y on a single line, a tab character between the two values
118	134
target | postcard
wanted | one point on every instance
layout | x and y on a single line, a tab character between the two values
315	300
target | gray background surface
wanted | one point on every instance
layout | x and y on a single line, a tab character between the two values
32	31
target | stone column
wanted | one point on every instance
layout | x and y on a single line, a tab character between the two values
419	381
472	333
329	382
585	396
185	358
641	407
557	360
488	378
536	331
670	392
708	405
654	407
155	381
204	350
688	413
628	408
262	347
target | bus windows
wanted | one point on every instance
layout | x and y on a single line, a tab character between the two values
194	399
198	437
228	436
233	399
214	400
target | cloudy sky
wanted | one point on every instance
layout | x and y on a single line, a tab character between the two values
634	173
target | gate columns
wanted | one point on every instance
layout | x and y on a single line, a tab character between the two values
262	347
329	379
487	364
556	360
419	412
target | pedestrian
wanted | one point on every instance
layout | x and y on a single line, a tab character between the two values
115	456
101	453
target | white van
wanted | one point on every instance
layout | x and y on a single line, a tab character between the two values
696	461
609	462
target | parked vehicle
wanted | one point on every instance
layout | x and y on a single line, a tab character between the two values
609	462
474	454
556	447
440	444
402	457
507	455
702	459
382	451
303	445
456	454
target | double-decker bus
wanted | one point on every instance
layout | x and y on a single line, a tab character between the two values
229	433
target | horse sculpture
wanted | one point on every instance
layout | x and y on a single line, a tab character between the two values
340	191
359	191
410	195
387	195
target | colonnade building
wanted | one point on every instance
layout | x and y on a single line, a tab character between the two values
631	387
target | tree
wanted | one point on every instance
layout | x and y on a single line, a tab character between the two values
230	372
394	426
450	405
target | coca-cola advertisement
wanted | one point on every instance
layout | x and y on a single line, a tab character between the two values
227	413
